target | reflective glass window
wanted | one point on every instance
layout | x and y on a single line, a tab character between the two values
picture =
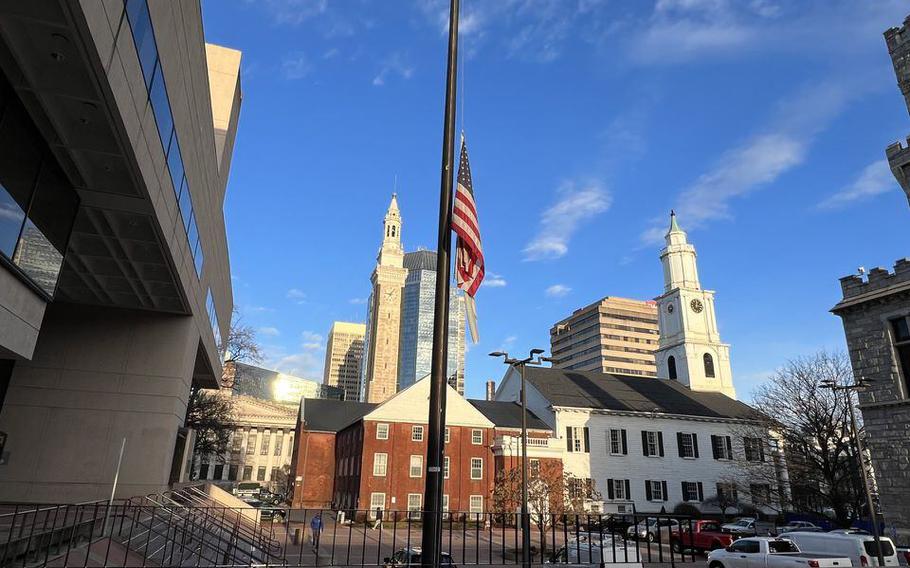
143	37
186	209
20	157
175	163
192	234
161	107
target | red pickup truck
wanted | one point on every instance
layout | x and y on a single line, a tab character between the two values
707	536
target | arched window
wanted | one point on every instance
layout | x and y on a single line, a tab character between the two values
671	367
393	230
387	231
709	366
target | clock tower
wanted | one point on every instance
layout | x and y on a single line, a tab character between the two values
379	373
690	350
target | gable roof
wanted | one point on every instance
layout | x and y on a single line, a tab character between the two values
412	405
507	414
590	389
322	415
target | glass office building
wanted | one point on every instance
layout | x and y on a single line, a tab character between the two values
416	339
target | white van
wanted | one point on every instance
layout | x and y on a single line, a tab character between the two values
859	547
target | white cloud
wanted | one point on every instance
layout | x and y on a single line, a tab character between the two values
493	280
557	290
394	64
875	179
311	341
357	301
296	66
560	221
294	12
269	331
759	161
297	295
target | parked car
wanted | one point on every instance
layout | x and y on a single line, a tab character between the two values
653	530
903	556
770	552
705	535
411	557
267	512
247	490
804	526
607	524
859	547
747	526
583	550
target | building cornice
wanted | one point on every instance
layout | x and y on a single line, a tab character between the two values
654	415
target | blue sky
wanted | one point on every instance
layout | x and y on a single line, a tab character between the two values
762	123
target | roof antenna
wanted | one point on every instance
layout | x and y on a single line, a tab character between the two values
395	185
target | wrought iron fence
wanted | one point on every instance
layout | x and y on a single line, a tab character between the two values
156	533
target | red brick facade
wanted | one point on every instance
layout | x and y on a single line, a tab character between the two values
313	470
369	464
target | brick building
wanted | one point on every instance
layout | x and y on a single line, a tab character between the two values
361	456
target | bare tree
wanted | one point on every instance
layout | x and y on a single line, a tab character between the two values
242	344
815	436
726	498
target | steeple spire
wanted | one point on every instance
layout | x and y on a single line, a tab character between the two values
673	225
391	251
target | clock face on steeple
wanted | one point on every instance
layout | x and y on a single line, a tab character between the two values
697	306
670	308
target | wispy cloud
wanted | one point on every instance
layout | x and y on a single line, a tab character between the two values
395	64
293	12
577	203
296	66
269	331
760	160
357	301
493	280
297	295
311	341
305	360
875	179
557	290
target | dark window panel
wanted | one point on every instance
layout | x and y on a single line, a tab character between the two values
161	107
20	158
143	37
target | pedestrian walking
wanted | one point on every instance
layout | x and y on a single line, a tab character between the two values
377	524
316	529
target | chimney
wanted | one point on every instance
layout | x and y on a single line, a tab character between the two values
491	390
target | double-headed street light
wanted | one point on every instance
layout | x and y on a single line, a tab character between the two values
534	358
861	384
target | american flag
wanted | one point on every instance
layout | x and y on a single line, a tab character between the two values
469	266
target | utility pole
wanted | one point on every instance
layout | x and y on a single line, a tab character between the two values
432	529
519	365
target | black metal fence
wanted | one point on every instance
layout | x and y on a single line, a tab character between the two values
152	533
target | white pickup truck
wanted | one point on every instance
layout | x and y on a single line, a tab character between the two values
765	552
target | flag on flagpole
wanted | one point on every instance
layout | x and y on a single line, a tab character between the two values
469	266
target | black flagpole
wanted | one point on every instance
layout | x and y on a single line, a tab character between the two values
432	526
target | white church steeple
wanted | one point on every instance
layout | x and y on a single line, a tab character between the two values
391	253
690	349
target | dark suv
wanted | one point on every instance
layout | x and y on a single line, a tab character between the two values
411	557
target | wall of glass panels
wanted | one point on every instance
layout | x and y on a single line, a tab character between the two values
213	318
37	203
147	50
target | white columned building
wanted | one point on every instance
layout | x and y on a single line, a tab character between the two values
689	350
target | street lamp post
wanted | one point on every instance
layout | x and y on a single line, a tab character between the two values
862	384
520	364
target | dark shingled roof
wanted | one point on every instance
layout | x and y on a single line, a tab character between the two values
420	260
322	415
505	414
590	389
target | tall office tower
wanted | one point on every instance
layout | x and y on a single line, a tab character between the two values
117	126
690	349
612	335
380	369
416	347
343	354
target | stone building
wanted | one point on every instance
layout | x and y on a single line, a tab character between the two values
343	358
117	127
876	316
612	335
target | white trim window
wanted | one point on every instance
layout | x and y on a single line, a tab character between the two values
692	491
447	435
417	433
382	431
415	502
619	489
445	467
380	464
416	466
445	502
687	445
476	468
477	437
475	504
377	501
615	440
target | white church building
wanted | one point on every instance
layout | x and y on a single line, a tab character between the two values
648	444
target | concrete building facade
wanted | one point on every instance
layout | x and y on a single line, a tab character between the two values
647	445
416	342
118	124
380	359
690	349
612	335
343	358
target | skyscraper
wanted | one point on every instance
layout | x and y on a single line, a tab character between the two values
343	355
612	335
690	349
416	342
380	368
